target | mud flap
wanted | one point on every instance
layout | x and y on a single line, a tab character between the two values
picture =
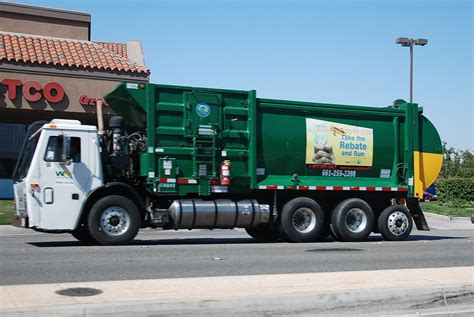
417	214
19	221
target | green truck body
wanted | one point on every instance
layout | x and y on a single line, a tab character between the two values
273	144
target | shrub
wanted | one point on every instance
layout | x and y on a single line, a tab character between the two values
456	190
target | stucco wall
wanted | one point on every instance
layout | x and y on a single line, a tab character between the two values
43	21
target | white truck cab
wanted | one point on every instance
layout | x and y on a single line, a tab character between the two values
59	166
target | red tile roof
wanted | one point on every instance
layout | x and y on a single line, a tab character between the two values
66	52
117	48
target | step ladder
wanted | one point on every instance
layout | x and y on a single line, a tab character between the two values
204	153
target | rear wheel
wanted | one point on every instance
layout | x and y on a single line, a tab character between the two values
302	220
264	233
395	223
333	233
352	220
113	220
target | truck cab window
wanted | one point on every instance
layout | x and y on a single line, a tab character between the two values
54	149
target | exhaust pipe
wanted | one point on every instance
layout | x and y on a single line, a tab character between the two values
100	116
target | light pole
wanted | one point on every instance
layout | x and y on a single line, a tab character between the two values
406	42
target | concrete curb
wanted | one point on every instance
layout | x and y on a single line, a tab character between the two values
448	218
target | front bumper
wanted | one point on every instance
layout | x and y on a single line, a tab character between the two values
20	221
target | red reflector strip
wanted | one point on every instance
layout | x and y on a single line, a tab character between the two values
338	188
186	181
167	180
272	187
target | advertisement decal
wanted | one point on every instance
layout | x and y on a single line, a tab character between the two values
331	144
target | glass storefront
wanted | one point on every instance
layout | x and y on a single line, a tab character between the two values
11	140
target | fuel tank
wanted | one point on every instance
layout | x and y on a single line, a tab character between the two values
218	214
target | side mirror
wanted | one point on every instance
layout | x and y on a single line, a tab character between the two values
66	154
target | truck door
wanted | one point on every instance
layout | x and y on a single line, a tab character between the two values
63	185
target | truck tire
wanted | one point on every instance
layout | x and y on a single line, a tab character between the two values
352	220
113	220
264	233
333	233
302	220
395	223
83	235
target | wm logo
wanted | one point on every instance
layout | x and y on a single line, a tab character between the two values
63	174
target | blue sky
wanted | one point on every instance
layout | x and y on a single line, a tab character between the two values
325	51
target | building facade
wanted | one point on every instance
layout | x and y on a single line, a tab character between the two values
50	68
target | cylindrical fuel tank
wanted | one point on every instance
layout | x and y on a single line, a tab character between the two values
219	214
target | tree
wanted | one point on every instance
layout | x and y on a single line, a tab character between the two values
457	163
466	168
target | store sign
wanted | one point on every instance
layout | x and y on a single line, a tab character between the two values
33	91
89	101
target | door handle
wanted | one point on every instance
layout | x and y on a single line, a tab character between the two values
48	195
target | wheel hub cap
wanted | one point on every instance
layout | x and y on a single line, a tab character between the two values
114	221
304	220
397	223
356	220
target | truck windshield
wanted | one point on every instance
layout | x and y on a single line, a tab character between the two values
27	151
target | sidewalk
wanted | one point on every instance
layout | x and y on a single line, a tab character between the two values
324	291
440	222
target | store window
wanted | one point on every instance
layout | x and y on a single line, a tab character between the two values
11	140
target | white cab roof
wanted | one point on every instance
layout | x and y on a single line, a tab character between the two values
68	125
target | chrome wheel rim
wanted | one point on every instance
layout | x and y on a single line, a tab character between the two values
114	221
304	220
356	220
397	223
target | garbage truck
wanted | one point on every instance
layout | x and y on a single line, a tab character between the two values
175	157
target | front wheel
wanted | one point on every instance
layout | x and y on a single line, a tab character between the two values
302	220
113	220
82	234
395	223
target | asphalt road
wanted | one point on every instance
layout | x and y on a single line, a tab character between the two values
28	257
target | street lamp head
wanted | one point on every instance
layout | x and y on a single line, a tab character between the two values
421	42
407	42
404	41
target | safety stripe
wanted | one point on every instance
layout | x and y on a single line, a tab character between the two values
167	180
187	181
337	188
271	187
179	181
